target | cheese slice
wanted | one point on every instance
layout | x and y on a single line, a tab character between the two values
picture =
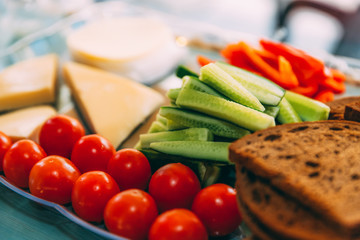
119	39
25	123
29	82
112	106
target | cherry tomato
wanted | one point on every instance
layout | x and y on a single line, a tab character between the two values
19	160
217	208
91	153
177	224
59	134
174	186
91	192
5	144
53	178
130	168
130	214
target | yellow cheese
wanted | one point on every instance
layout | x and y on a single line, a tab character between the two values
119	39
25	123
28	83
112	106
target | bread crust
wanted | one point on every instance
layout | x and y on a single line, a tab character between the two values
317	163
337	107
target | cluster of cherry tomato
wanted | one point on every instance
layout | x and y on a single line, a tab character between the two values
118	188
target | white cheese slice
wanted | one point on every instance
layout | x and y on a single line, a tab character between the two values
29	82
119	39
25	123
112	106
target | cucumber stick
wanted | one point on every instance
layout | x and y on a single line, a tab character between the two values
307	108
221	81
182	71
190	134
157	126
190	118
173	93
272	110
196	84
257	85
227	110
217	151
287	113
175	125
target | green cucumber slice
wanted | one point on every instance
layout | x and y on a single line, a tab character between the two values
190	118
194	83
271	110
189	134
307	108
254	83
217	151
157	126
173	93
227	110
161	119
174	125
221	81
182	71
287	113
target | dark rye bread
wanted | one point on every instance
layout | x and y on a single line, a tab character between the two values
317	163
272	214
352	111
337	107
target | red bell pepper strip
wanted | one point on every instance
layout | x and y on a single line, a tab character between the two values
288	78
202	60
309	90
337	75
303	64
333	85
325	96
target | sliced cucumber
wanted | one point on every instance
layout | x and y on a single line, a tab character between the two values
287	113
190	118
217	151
272	110
196	84
161	119
307	108
174	125
227	110
190	134
157	126
251	81
173	93
218	79
183	71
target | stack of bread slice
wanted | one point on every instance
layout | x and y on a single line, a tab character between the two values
300	181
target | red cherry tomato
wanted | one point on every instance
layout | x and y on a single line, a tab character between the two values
59	134
91	153
91	192
5	144
217	208
177	224
19	160
130	214
174	186
53	178
130	168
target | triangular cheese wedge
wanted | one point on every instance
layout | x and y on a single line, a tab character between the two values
112	106
25	123
28	83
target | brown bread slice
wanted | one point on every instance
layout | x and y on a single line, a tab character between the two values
337	107
277	215
352	111
317	163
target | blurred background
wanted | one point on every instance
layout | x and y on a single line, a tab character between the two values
313	25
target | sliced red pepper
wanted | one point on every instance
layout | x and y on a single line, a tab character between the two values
303	64
268	57
333	85
308	90
288	78
202	60
337	75
324	96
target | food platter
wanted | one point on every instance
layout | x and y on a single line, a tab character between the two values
191	38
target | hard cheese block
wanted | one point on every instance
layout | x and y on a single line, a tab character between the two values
25	123
112	106
28	83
